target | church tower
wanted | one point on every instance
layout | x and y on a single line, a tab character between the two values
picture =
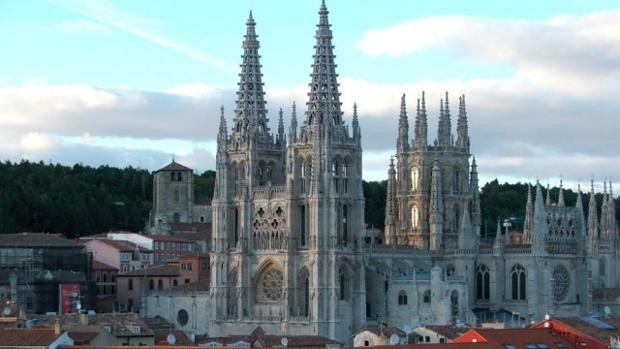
435	184
288	215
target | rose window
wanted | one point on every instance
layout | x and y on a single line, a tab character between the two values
271	285
561	283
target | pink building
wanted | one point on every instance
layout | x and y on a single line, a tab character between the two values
123	255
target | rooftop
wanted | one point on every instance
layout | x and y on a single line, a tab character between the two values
174	166
23	337
121	324
448	331
36	240
610	326
157	270
103	266
123	246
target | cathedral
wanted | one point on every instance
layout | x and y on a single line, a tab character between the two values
288	252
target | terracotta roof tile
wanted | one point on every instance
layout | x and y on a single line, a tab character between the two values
27	337
594	332
103	266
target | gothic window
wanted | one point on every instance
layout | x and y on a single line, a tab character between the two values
455	217
482	282
335	174
456	180
304	294
269	286
450	270
151	284
160	284
345	224
302	225
402	298
415	217
302	178
415	178
176	217
427	296
454	302
561	282
517	275
345	177
171	176
235	229
601	266
345	283
231	293
179	177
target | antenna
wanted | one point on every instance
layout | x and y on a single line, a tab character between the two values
171	339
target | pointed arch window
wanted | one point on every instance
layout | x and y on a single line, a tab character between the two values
518	276
415	217
345	225
303	299
482	282
345	283
415	179
302	178
345	176
426	297
231	293
402	298
455	217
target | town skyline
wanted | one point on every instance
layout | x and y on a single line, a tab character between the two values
532	115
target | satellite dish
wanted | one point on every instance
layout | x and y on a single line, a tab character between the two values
284	341
394	339
78	306
29	323
6	311
607	310
171	339
547	317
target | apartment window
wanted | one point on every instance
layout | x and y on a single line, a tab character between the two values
130	285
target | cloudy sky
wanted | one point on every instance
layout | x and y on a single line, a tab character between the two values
132	83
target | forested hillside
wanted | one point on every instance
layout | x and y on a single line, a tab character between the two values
82	200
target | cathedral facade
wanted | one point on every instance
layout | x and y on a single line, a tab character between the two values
288	252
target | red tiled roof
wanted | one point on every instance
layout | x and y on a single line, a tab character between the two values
22	337
479	345
518	337
161	337
174	166
103	266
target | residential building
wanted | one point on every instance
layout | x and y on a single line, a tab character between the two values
34	338
122	255
372	337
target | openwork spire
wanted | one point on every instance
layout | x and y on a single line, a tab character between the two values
462	140
356	124
222	135
403	127
529	216
250	113
444	130
421	126
548	200
539	224
292	135
593	232
324	98
561	202
281	140
390	205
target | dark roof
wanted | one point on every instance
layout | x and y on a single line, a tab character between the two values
174	166
161	337
192	231
448	331
157	270
103	266
385	331
36	240
606	294
596	333
82	337
23	337
272	340
197	286
121	323
173	238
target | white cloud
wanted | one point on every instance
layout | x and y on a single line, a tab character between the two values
36	141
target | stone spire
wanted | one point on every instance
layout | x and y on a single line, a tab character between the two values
250	113
593	233
421	127
582	220
498	243
475	209
390	205
292	134
529	217
462	140
548	200
402	143
539	224
436	209
281	140
611	215
466	240
561	195
444	130
357	133
603	224
222	135
324	98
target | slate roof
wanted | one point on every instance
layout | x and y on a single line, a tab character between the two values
36	240
592	331
22	337
174	166
450	332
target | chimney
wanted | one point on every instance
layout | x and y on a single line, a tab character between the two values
83	318
57	327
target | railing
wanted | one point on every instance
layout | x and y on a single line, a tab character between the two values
269	192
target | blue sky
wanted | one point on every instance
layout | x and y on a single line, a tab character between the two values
131	82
